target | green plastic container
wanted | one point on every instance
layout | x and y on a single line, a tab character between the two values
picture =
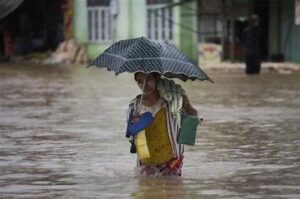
187	133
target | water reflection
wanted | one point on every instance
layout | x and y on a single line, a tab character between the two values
62	135
164	187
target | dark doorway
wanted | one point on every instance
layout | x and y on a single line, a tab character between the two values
34	26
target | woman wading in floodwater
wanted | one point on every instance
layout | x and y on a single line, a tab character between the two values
166	101
161	120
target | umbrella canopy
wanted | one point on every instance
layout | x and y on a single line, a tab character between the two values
142	55
7	6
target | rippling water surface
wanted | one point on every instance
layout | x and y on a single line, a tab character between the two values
62	135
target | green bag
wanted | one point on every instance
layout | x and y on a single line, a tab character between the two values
187	133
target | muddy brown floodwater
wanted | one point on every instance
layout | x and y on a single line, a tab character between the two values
62	135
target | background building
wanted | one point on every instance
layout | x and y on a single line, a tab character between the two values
189	23
210	29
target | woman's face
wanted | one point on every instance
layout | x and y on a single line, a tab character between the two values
151	82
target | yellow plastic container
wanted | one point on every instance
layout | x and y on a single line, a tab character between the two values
141	145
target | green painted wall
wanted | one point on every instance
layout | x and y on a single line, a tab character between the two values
123	22
188	38
79	21
176	28
130	22
81	30
290	37
137	19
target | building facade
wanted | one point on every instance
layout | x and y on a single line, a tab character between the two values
195	26
100	23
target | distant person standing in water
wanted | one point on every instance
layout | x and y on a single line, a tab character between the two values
251	42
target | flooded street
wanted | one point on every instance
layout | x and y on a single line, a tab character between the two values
62	135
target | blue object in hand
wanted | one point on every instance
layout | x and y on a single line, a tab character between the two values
144	121
129	123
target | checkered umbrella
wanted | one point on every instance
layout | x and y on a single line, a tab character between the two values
142	55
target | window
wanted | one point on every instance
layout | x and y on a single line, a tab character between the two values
159	20
210	25
99	21
210	20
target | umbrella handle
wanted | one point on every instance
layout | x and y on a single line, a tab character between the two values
140	103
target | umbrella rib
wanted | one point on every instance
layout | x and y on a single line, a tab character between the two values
147	58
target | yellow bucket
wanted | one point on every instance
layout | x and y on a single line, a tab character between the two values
141	145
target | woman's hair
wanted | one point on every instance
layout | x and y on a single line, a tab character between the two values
154	74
